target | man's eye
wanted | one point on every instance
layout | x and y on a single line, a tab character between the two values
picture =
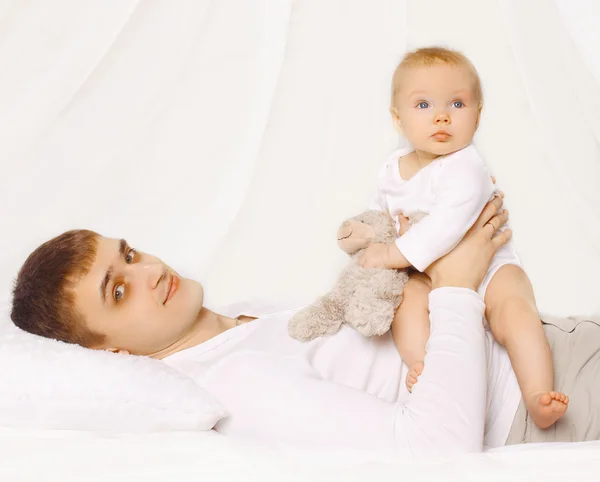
458	104
130	256
119	292
422	105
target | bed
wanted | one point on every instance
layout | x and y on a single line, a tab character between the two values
76	456
235	122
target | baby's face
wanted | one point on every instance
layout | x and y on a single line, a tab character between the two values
436	108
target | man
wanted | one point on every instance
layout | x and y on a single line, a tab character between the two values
100	293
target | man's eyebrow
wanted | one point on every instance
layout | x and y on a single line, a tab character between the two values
109	272
104	284
123	247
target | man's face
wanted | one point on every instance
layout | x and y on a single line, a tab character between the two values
437	99
139	303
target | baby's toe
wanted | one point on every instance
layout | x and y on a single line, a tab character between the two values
558	396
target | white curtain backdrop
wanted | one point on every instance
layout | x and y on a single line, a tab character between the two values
231	137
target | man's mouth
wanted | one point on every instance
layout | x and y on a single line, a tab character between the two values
441	136
172	287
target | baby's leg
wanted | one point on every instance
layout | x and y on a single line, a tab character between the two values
515	322
410	327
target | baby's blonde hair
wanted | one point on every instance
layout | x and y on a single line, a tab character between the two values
425	57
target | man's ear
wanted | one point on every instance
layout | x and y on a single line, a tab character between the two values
396	119
118	351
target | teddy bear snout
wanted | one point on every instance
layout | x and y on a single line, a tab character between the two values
345	231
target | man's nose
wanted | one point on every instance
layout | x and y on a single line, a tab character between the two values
148	274
442	118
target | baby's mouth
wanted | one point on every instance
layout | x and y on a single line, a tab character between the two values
441	136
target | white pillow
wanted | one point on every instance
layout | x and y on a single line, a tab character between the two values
49	384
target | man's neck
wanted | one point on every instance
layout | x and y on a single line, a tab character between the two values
208	324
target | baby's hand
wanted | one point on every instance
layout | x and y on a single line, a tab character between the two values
403	221
414	372
375	256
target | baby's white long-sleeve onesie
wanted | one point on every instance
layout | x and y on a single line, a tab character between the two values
347	391
452	190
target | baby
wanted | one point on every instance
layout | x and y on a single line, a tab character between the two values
436	104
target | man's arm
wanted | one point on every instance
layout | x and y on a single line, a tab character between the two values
284	400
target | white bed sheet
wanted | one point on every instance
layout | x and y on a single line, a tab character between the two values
29	455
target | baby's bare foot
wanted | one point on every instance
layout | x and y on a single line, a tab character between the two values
546	408
414	371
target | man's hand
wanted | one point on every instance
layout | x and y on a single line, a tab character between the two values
466	265
380	255
403	221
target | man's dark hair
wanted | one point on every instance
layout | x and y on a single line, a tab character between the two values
43	299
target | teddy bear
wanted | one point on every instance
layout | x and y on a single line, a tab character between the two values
363	298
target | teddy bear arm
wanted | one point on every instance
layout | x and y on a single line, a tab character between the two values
388	283
368	313
323	317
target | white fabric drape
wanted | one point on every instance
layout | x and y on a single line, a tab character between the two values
232	137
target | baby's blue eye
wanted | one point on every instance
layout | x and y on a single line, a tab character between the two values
458	104
422	105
